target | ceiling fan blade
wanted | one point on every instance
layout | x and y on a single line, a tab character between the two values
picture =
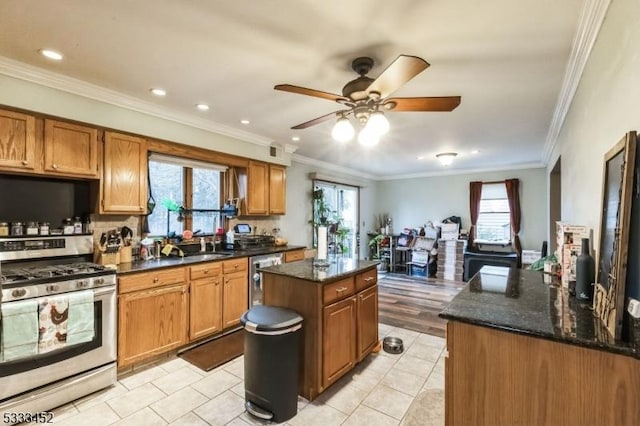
310	92
444	103
320	119
403	69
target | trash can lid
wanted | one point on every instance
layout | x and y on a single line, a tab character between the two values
270	318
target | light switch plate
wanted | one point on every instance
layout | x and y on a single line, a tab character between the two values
634	308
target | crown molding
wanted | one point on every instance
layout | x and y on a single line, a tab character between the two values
20	70
451	172
589	24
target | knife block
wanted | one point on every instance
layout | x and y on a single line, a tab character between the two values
103	258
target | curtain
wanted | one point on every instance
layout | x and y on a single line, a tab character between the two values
513	194
475	194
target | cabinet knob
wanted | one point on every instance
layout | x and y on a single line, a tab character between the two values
55	166
156	279
368	279
341	290
206	271
25	163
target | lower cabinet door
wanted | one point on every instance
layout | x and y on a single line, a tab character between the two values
235	298
367	321
151	322
338	340
205	307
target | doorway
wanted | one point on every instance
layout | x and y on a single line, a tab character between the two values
555	202
343	203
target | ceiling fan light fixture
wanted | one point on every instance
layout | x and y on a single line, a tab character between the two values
378	123
343	130
368	137
446	158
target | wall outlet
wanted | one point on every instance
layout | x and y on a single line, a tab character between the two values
634	308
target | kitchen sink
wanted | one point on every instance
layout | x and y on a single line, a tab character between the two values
210	256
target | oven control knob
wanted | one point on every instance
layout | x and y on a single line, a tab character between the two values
82	284
19	292
98	281
52	288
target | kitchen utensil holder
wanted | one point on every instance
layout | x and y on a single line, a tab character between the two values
125	254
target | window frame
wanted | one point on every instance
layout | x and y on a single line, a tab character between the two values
187	184
509	240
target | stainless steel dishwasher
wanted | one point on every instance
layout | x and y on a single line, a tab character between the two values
255	277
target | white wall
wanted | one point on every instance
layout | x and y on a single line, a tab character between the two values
413	202
295	225
605	107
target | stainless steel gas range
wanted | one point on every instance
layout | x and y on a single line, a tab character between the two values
57	322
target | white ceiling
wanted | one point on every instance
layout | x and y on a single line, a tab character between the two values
506	59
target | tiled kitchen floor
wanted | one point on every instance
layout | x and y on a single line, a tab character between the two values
379	391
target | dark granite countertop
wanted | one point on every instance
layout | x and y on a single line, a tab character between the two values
167	262
518	300
337	268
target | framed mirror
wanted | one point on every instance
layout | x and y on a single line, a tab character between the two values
617	185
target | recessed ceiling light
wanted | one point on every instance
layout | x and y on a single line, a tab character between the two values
475	151
245	121
158	92
420	158
202	107
51	54
295	138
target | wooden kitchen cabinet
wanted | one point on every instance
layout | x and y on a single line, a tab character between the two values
151	322
124	184
277	189
152	313
205	300
293	255
340	321
367	321
266	189
338	348
70	149
17	142
257	201
235	292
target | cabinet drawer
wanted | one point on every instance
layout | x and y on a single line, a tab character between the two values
151	279
366	279
205	270
235	265
292	256
338	290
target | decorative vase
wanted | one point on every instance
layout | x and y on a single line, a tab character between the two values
585	273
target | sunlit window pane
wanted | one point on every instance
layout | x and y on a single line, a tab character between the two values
166	184
206	195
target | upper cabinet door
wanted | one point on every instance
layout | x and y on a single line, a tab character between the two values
17	141
124	185
277	189
258	189
70	149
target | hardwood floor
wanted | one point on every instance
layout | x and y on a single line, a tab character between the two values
415	302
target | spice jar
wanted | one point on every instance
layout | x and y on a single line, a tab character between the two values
67	226
31	228
4	229
17	229
44	228
77	225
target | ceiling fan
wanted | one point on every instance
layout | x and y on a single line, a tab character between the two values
367	99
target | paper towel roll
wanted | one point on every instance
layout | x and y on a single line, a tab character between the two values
322	243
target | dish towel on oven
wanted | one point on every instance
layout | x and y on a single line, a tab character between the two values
53	312
80	327
19	330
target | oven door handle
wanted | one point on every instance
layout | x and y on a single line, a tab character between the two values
101	291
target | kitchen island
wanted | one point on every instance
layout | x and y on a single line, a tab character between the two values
521	351
339	304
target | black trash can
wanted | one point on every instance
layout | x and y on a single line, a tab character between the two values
271	362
